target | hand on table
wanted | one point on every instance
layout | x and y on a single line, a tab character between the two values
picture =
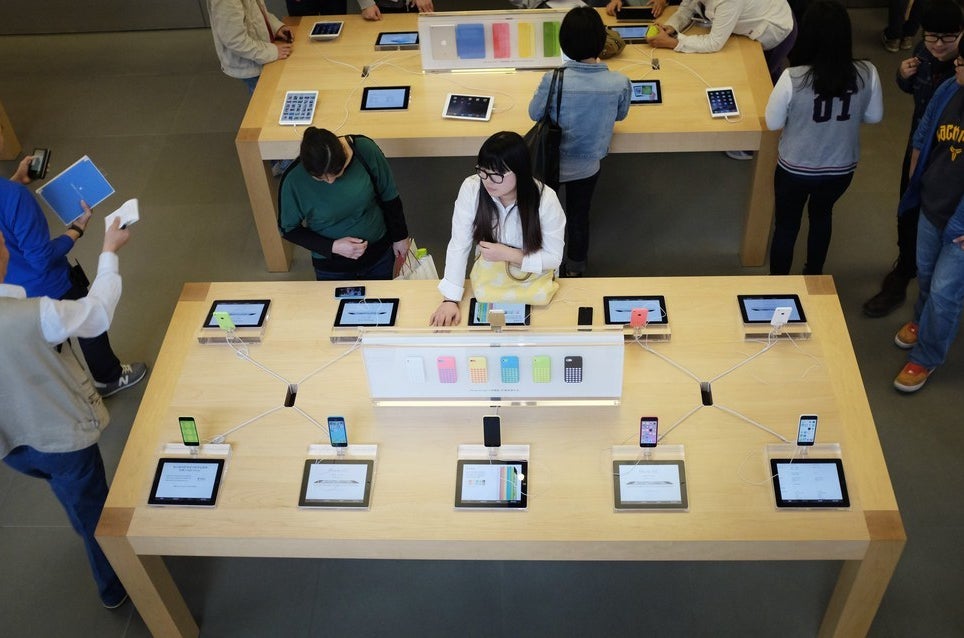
447	314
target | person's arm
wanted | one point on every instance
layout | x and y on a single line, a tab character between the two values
291	227
537	105
387	190
452	285
424	6
369	10
553	222
625	97
91	315
875	108
683	16
779	102
227	21
31	234
724	21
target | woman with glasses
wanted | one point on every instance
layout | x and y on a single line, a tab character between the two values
506	215
340	202
931	64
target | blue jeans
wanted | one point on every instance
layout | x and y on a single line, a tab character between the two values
78	481
382	269
251	83
940	277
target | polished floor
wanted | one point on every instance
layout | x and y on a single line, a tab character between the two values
156	114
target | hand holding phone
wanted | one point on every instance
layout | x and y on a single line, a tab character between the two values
188	430
39	163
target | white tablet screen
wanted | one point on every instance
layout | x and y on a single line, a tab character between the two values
515	313
367	312
809	482
760	309
398	38
336	482
492	483
187	480
619	310
380	99
649	483
244	314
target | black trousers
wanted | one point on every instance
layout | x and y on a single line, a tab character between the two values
578	201
792	192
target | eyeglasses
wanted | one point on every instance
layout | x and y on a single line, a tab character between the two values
946	38
495	178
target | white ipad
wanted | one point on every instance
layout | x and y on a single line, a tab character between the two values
326	30
468	107
385	98
396	41
298	108
649	484
337	483
722	101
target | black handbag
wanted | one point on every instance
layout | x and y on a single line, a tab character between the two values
545	137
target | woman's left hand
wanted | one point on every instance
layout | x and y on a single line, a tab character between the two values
491	251
400	248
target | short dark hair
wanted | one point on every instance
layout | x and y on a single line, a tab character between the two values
582	34
941	16
322	152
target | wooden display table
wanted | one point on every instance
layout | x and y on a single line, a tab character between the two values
570	516
334	68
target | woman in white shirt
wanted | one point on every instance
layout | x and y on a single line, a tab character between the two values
506	214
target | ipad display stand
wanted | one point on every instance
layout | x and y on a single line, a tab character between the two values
649	332
365	451
511	452
793	451
658	453
208	449
787	331
217	335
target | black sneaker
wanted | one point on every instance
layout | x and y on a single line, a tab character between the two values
115	605
131	374
893	292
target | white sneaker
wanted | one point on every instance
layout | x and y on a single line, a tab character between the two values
739	155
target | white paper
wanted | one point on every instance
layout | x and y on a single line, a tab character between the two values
128	213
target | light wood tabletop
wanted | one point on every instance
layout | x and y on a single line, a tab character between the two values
731	516
334	69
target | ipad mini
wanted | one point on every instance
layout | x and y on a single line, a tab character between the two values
385	98
722	101
326	30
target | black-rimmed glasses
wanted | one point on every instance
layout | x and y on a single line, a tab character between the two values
495	178
946	38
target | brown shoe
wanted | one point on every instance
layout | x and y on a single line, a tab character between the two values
906	337
912	378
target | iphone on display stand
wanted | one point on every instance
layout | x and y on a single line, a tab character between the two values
648	431
189	435
807	429
337	432
492	431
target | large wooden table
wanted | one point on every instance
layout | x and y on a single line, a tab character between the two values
681	123
570	517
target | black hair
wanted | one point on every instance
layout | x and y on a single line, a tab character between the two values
322	152
941	16
825	44
506	151
582	34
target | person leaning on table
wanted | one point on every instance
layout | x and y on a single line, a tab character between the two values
770	22
937	186
372	9
340	202
506	214
52	416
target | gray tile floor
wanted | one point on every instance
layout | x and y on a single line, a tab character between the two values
157	115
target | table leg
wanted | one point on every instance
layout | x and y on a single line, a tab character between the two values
11	145
146	579
759	213
262	193
862	583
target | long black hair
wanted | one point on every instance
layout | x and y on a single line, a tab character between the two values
825	44
506	151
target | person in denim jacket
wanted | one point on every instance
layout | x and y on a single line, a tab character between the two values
593	99
937	188
930	65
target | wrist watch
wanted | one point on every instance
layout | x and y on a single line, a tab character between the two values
77	229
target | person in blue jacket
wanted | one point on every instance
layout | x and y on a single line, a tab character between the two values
937	186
